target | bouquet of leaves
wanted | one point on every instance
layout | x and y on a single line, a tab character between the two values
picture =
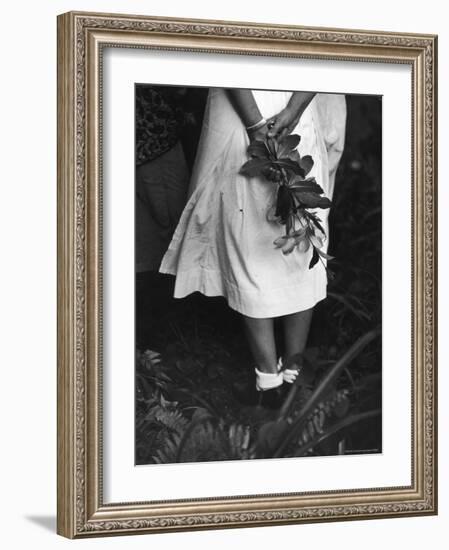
297	196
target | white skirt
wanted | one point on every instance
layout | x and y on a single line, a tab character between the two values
223	244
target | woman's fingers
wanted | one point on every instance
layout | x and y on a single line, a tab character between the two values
281	125
293	126
290	128
281	129
275	125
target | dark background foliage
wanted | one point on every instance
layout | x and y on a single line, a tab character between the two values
185	408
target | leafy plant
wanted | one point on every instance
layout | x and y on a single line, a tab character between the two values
279	161
207	439
308	424
315	416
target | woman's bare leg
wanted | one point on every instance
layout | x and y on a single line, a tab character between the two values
296	331
260	333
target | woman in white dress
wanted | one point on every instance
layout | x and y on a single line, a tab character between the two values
223	244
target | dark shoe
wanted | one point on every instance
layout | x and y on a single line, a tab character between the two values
270	399
274	398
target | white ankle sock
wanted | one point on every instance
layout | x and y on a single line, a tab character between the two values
288	375
268	380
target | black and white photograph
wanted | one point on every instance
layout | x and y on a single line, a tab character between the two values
258	263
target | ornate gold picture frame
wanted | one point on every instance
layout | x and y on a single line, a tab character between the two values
82	39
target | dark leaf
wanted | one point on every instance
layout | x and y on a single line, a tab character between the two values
315	220
306	163
307	188
258	149
254	167
290	165
309	184
287	144
312	200
315	258
284	203
294	156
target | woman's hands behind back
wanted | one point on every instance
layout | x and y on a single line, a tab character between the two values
258	135
285	121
